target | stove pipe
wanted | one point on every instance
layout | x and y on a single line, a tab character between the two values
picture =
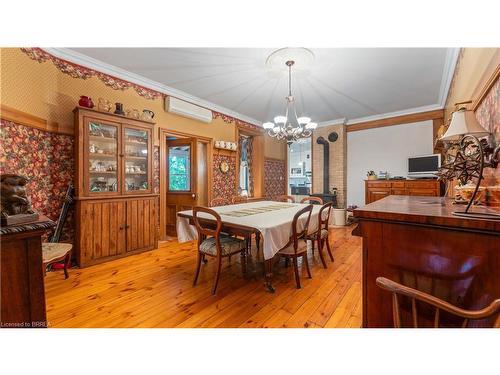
326	164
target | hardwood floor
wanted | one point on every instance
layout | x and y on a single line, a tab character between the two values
154	289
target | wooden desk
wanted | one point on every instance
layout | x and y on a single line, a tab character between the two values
418	242
23	293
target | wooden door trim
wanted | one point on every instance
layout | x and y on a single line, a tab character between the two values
164	133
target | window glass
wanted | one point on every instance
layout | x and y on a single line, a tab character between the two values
179	163
243	166
136	159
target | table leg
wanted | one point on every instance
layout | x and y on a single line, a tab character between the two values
269	275
257	240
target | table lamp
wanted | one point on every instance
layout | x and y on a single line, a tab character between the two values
472	157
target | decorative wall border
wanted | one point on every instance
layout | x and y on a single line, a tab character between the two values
81	72
229	120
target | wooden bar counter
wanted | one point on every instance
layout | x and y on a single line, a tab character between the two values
418	242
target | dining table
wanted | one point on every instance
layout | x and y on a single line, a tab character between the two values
269	220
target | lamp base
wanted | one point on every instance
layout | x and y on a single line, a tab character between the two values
477	215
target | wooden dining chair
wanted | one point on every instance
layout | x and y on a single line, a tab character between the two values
55	251
236	199
465	316
212	243
320	236
312	200
219	202
296	246
285	198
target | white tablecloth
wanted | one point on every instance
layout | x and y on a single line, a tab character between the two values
275	226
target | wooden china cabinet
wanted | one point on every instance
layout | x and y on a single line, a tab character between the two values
115	204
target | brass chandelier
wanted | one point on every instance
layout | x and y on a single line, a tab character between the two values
290	127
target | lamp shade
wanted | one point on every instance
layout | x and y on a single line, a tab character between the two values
463	122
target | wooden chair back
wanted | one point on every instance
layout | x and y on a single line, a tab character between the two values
204	228
399	290
219	202
324	216
63	215
285	198
312	200
238	199
298	234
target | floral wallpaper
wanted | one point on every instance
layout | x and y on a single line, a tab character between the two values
224	184
488	112
46	159
488	115
274	178
156	170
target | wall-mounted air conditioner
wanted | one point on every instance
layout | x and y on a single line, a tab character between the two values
182	108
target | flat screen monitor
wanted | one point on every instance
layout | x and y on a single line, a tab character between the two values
424	165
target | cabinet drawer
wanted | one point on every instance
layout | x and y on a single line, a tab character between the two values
379	184
398	184
422	192
422	184
398	191
376	194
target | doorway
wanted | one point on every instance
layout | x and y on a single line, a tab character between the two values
184	176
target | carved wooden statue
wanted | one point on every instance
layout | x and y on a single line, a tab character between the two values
15	204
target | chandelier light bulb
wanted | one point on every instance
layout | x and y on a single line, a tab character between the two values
304	120
268	125
280	119
311	125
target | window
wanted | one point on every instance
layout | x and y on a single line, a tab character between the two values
178	168
244	175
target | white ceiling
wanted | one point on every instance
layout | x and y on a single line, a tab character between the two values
350	83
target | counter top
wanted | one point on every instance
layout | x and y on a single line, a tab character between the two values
434	211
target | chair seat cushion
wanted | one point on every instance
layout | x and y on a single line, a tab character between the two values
229	245
52	251
313	236
289	250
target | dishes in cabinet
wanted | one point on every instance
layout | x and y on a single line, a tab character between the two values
136	159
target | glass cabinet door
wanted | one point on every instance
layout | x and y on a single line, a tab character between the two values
102	157
137	159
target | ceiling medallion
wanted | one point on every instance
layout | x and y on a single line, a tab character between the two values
290	127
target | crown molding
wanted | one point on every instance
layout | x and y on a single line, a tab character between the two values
89	62
410	111
339	121
450	64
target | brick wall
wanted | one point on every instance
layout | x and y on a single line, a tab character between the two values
338	162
